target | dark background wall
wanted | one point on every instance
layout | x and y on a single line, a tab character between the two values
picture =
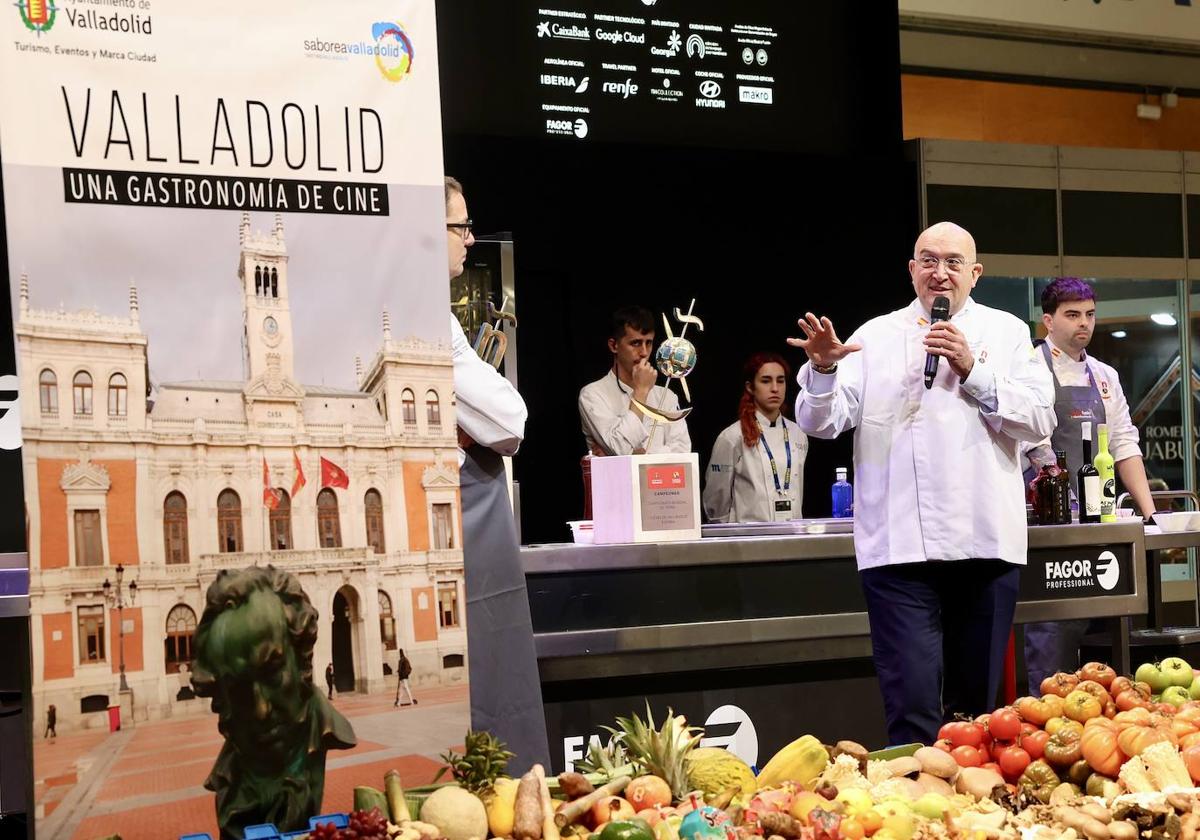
757	235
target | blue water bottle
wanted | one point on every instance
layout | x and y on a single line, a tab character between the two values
843	496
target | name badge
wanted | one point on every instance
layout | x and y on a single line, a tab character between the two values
783	505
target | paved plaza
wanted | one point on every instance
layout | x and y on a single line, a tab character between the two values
146	782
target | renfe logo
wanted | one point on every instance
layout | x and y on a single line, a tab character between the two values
625	89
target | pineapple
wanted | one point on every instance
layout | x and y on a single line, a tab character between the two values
660	752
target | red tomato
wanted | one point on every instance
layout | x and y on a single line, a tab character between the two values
997	748
1013	762
1027	727
1035	743
943	744
1004	724
962	733
967	756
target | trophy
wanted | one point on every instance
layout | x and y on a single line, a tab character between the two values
675	359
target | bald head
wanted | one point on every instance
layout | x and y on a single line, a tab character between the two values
944	264
948	232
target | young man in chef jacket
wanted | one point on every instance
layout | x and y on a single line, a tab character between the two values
1085	391
612	425
939	501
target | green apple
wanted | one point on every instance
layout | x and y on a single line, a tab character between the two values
1194	689
1151	674
1176	695
931	806
1178	672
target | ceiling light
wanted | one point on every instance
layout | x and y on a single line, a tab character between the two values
1163	319
1119	333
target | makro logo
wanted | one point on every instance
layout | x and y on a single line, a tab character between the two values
674	42
618	36
755	95
623	89
1073	574
37	15
394	54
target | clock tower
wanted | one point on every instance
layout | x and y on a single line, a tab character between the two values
267	353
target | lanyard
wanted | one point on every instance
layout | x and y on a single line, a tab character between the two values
787	481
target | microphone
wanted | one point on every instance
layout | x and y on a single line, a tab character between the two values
940	312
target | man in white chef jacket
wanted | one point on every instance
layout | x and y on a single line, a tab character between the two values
939	502
506	693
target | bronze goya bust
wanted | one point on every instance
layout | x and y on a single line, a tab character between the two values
254	648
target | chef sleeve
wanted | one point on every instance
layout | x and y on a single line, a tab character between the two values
489	409
1018	403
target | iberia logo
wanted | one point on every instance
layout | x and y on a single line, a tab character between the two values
394	50
37	15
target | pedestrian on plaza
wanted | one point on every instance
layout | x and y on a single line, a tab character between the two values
51	721
329	679
404	671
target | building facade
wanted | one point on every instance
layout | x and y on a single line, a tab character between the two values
169	484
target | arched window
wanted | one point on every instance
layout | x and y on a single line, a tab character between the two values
83	394
433	410
281	522
181	628
373	502
118	388
229	522
408	402
274	283
387	622
257	280
329	530
48	391
175	539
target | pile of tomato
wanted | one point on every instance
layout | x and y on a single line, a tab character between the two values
1081	730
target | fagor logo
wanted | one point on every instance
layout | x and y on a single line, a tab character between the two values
735	732
37	15
1108	571
1105	572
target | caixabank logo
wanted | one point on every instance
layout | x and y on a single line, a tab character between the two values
37	15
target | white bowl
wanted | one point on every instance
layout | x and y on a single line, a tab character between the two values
1124	513
581	531
1171	523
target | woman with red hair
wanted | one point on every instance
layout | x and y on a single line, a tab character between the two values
756	472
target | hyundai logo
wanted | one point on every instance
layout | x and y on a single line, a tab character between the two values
710	89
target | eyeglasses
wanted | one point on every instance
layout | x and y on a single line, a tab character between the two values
462	228
953	264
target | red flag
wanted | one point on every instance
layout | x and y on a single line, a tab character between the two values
332	475
270	497
299	482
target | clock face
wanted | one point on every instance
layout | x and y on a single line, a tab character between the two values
270	326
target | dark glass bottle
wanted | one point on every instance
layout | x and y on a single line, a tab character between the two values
1053	491
1089	481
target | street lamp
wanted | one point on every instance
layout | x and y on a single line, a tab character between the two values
117	599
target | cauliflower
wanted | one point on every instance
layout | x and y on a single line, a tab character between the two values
843	772
1166	767
1135	776
877	771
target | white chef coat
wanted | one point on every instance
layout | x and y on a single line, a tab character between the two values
610	425
936	472
489	408
739	484
1123	438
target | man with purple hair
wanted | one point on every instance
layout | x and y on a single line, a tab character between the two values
1085	391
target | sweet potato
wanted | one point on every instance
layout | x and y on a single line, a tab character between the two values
527	812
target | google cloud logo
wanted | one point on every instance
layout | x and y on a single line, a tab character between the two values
393	50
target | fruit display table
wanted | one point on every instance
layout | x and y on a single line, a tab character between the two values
745	635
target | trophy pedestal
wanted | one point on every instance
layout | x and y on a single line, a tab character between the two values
646	498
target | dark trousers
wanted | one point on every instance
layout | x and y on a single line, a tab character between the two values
939	633
1053	646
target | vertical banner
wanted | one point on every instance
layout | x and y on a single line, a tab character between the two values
227	270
